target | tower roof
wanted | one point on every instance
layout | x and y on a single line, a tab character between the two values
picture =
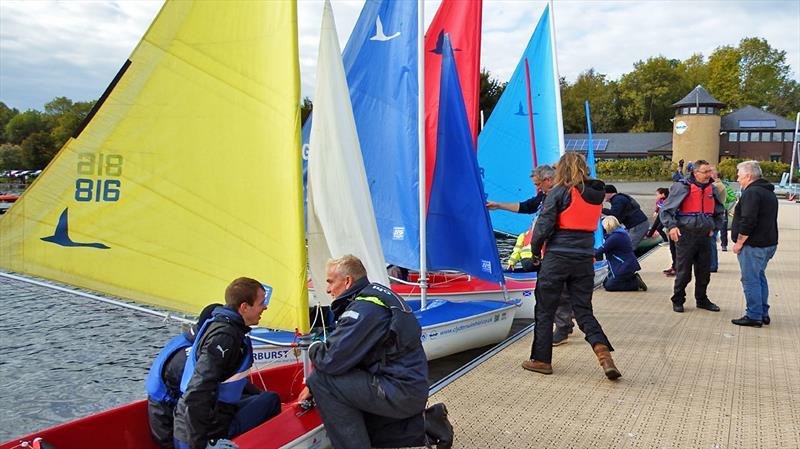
698	97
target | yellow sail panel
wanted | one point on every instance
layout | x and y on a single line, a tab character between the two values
187	176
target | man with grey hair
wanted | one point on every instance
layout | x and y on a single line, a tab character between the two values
370	378
755	231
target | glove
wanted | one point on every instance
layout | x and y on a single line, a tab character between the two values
222	443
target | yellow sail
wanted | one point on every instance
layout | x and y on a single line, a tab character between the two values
187	175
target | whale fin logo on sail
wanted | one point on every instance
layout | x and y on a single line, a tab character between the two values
379	34
61	235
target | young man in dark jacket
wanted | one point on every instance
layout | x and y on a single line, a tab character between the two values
217	402
691	213
628	212
370	378
755	231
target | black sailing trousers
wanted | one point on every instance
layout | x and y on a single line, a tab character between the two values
693	249
575	273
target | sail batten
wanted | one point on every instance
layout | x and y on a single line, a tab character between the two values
189	171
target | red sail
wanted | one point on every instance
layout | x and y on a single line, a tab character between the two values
462	20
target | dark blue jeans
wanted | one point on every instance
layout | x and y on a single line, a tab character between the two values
753	263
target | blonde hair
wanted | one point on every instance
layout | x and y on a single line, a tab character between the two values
347	265
571	170
610	223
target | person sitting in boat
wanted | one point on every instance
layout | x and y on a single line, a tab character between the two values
217	401
163	384
566	224
522	254
370	378
542	177
623	266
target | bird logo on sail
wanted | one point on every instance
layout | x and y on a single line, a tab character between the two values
521	111
379	34
439	40
61	235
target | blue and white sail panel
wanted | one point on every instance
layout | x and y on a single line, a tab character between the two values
380	60
504	145
590	160
459	231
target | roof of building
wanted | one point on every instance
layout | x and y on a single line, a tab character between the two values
751	117
626	142
700	97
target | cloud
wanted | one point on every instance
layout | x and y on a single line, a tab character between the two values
74	48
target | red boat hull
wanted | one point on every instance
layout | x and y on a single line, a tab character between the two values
126	427
459	284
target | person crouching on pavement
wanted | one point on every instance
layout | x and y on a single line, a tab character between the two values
691	213
566	224
622	262
370	378
218	403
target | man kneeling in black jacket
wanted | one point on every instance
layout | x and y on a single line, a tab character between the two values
371	376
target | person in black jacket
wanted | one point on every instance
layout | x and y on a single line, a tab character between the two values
628	212
661	196
566	224
370	378
163	383
691	213
217	402
755	231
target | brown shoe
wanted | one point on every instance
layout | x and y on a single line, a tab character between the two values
537	366
606	362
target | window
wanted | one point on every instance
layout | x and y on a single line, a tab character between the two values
733	137
685	111
788	136
776	137
743	137
693	110
754	136
765	136
775	157
712	110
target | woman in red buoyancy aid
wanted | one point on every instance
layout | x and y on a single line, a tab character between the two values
566	225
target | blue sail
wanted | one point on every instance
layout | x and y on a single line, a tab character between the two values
598	233
459	229
380	61
504	145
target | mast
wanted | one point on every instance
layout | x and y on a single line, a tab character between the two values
557	83
794	148
423	265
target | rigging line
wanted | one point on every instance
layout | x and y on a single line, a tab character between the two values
164	315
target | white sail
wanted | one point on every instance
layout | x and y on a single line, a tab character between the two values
340	215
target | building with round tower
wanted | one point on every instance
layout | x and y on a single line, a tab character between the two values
696	127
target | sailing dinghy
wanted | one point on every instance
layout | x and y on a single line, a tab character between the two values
212	93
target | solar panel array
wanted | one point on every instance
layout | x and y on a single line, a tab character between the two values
582	145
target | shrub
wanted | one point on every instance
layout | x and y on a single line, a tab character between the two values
650	169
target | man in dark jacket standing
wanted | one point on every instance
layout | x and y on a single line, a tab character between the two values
628	212
370	378
218	402
755	231
691	213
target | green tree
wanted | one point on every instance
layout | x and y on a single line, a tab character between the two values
491	90
37	150
602	96
10	157
65	117
305	109
6	114
724	76
647	94
764	73
693	72
23	125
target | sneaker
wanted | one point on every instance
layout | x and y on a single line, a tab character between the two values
438	429
560	337
765	320
642	285
677	307
708	305
724	249
670	272
537	366
746	321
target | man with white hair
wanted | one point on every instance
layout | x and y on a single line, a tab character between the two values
755	231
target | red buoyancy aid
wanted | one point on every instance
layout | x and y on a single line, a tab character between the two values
698	201
579	215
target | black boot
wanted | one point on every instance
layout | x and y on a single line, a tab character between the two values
437	427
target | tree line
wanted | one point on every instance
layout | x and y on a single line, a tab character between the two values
751	73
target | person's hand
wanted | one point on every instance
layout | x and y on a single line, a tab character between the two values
710	233
304	395
222	443
674	234
649	234
737	248
491	205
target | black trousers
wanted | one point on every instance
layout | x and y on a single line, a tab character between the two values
692	250
574	273
723	233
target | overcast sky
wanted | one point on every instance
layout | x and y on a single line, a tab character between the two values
74	48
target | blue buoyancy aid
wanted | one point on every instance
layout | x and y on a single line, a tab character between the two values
155	386
230	390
